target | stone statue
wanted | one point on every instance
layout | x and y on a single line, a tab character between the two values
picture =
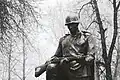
74	58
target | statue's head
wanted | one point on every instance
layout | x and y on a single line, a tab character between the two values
72	23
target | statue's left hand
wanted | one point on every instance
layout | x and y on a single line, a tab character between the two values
89	58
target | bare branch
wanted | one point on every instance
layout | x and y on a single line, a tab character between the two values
81	24
103	41
91	24
115	33
17	75
111	1
118	5
102	71
83	7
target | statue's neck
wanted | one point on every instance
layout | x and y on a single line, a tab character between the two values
75	33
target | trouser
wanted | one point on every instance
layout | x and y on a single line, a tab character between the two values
51	72
82	78
54	71
61	72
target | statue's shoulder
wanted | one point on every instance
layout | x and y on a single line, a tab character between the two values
63	38
86	33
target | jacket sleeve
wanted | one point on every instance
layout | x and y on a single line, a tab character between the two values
58	52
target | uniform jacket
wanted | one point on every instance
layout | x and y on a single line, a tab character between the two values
81	43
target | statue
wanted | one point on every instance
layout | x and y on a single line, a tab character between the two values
74	58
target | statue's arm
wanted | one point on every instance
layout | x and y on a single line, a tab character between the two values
91	49
40	69
58	52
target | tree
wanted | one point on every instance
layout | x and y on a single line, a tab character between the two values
116	72
107	56
14	16
107	52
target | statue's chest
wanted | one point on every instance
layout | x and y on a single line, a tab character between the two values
77	41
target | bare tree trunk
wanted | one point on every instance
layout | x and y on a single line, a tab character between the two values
23	57
96	69
97	73
103	42
117	60
115	7
9	72
9	61
108	71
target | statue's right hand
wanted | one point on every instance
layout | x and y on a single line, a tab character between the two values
52	59
64	60
37	69
89	58
80	56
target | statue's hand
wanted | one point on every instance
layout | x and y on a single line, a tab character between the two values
52	59
89	58
37	69
80	56
64	60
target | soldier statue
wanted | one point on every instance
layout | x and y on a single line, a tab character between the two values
74	58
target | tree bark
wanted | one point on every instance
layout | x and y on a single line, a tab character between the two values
117	60
9	61
103	42
23	57
114	33
9	67
108	71
102	31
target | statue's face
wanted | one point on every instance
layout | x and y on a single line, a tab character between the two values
73	28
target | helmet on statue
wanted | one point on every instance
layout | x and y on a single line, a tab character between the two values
72	20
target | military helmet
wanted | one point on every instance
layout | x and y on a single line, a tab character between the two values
71	19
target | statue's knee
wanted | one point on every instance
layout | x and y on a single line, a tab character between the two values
51	66
51	72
